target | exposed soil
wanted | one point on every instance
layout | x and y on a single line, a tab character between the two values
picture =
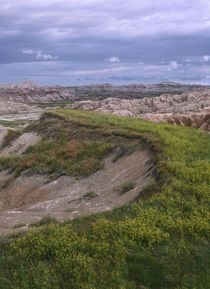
20	145
29	198
14	109
3	132
32	93
200	120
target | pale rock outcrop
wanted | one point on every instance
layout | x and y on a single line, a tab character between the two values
189	109
32	93
10	107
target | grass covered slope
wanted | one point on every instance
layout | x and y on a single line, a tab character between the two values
160	242
67	147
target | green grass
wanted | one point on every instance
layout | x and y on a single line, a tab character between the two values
61	104
67	158
19	225
145	269
126	187
90	195
60	158
70	210
12	124
67	148
157	242
45	220
148	191
11	136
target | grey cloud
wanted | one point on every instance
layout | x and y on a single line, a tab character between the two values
170	34
58	72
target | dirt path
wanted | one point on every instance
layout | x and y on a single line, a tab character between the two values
30	197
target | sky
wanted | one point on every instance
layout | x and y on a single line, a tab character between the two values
76	42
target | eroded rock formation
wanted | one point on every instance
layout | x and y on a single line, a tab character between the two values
188	109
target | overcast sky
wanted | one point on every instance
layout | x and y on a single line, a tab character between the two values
73	42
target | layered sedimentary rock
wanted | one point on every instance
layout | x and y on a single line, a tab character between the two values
32	93
199	120
188	109
11	107
166	102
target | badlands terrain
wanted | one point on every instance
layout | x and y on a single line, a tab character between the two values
188	109
93	195
32	93
186	105
23	103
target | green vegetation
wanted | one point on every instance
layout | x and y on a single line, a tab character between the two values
46	220
59	154
61	158
66	148
90	195
70	210
126	187
19	225
65	158
11	136
148	191
61	104
160	242
12	124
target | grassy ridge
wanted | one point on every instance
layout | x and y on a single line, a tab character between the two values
161	242
66	148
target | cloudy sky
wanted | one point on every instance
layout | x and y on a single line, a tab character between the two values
73	42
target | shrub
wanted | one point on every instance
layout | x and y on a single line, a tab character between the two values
11	136
90	195
70	210
19	225
126	187
45	220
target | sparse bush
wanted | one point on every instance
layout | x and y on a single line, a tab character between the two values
45	220
11	136
19	225
120	151
90	195
9	162
70	210
126	187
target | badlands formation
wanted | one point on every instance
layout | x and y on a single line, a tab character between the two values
105	202
188	109
32	93
187	105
